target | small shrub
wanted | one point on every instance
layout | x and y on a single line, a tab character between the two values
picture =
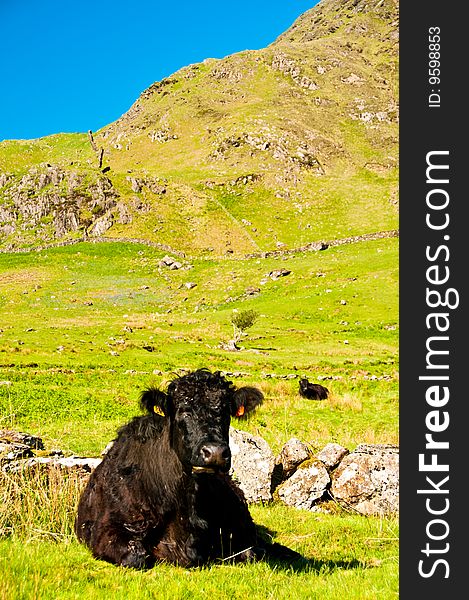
241	321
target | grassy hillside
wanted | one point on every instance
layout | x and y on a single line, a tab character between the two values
278	147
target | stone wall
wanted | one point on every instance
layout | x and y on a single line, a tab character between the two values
365	480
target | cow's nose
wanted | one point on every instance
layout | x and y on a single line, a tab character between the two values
215	455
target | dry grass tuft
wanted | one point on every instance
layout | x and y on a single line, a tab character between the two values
276	392
39	502
345	402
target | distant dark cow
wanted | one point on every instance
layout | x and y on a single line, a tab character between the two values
312	391
163	492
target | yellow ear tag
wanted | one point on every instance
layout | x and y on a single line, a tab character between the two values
158	411
240	411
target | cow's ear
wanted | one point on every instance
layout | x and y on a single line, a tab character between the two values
245	400
154	400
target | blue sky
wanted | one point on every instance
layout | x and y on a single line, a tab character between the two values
68	66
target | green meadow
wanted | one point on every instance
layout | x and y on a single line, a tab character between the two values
86	327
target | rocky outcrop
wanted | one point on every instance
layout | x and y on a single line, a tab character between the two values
288	66
293	453
155	185
51	202
367	480
23	451
307	486
330	15
252	465
291	150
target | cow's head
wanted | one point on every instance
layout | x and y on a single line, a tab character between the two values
199	407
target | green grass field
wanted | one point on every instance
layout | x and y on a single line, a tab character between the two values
350	557
345	555
86	327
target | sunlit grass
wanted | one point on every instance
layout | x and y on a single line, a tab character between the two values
87	327
41	558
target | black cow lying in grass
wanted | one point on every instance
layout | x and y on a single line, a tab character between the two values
163	492
312	391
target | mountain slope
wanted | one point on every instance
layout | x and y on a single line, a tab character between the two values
264	149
